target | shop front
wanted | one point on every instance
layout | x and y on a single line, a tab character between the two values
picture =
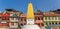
53	27
4	27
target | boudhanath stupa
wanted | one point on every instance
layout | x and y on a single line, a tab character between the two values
30	19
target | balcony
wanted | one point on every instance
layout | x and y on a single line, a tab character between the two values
13	20
38	21
51	20
14	26
54	25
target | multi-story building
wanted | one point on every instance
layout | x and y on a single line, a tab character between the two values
9	21
23	19
14	21
38	19
51	20
12	11
4	20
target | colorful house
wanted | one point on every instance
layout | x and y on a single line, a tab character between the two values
13	21
16	14
8	21
4	20
51	20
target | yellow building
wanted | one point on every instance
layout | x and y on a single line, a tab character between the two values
51	20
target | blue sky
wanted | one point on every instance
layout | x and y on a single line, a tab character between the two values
21	5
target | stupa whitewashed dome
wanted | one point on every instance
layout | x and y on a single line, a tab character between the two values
30	27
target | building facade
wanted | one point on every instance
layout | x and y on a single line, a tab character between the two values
16	14
12	11
4	20
51	20
38	19
13	21
9	20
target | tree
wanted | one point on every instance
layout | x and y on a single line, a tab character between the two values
38	10
21	12
50	10
56	11
19	26
10	9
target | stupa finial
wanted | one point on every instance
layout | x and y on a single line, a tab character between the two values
30	11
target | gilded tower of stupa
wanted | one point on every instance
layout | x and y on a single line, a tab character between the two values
30	11
30	14
30	19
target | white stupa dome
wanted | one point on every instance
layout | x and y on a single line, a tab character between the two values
30	27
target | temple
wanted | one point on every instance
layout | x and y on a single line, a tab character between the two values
30	19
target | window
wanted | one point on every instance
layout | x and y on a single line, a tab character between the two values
16	23
11	18
56	23
0	18
24	23
38	18
11	14
15	19
21	19
3	21
12	23
55	18
59	18
49	18
52	23
25	19
52	18
59	23
21	24
45	18
35	18
46	23
4	24
38	24
49	23
4	18
7	18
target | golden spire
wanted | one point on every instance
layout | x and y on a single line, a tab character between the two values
30	12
